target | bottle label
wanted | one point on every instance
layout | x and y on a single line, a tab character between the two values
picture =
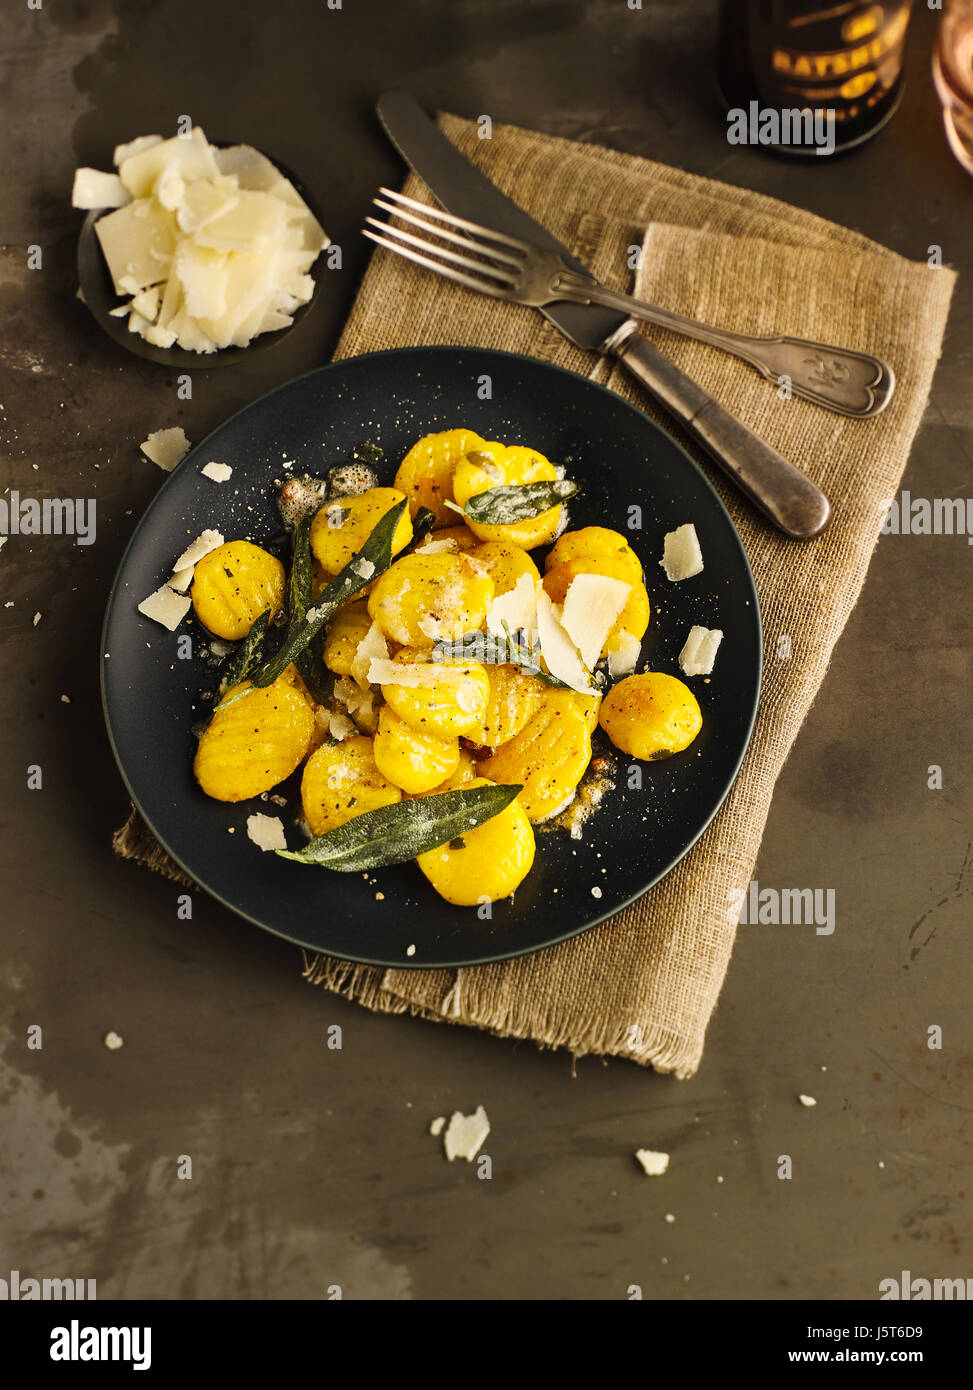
844	57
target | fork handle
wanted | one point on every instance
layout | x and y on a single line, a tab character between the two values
852	383
781	491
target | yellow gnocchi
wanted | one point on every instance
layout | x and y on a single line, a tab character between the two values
499	465
425	475
424	599
505	564
341	781
451	699
341	528
233	585
343	634
256	742
513	699
486	863
410	758
651	716
549	757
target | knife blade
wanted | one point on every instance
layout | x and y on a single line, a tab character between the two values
460	187
780	490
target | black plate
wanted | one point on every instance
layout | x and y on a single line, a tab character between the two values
392	398
98	289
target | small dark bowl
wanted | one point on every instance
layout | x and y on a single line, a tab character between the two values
100	297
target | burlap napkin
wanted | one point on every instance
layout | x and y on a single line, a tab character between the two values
644	985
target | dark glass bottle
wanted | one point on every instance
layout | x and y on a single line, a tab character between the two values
815	54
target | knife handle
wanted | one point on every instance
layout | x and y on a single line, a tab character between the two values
781	491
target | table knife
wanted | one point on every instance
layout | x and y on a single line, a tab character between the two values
788	498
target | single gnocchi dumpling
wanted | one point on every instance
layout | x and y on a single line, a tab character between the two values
513	699
255	743
426	473
549	757
341	781
486	863
593	543
424	599
341	528
505	564
410	758
343	634
651	716
499	465
233	585
587	704
446	698
632	621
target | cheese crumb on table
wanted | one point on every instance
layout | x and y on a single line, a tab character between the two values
113	1041
436	1128
465	1134
654	1163
807	1100
166	447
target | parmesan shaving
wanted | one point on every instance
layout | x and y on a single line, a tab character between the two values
382	671
699	653
517	609
266	832
559	652
93	189
623	655
465	1134
681	555
654	1164
218	472
202	545
165	606
372	646
591	605
166	447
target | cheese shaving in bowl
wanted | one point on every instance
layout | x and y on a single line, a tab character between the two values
220	237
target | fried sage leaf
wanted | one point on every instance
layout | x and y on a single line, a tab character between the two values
310	661
512	649
403	830
246	656
371	560
500	506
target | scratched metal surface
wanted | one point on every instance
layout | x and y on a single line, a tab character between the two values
312	1167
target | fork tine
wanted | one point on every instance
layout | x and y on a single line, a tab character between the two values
447	271
494	272
460	222
469	242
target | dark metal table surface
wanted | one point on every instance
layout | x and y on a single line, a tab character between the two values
312	1167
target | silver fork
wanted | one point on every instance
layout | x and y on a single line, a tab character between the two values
840	379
